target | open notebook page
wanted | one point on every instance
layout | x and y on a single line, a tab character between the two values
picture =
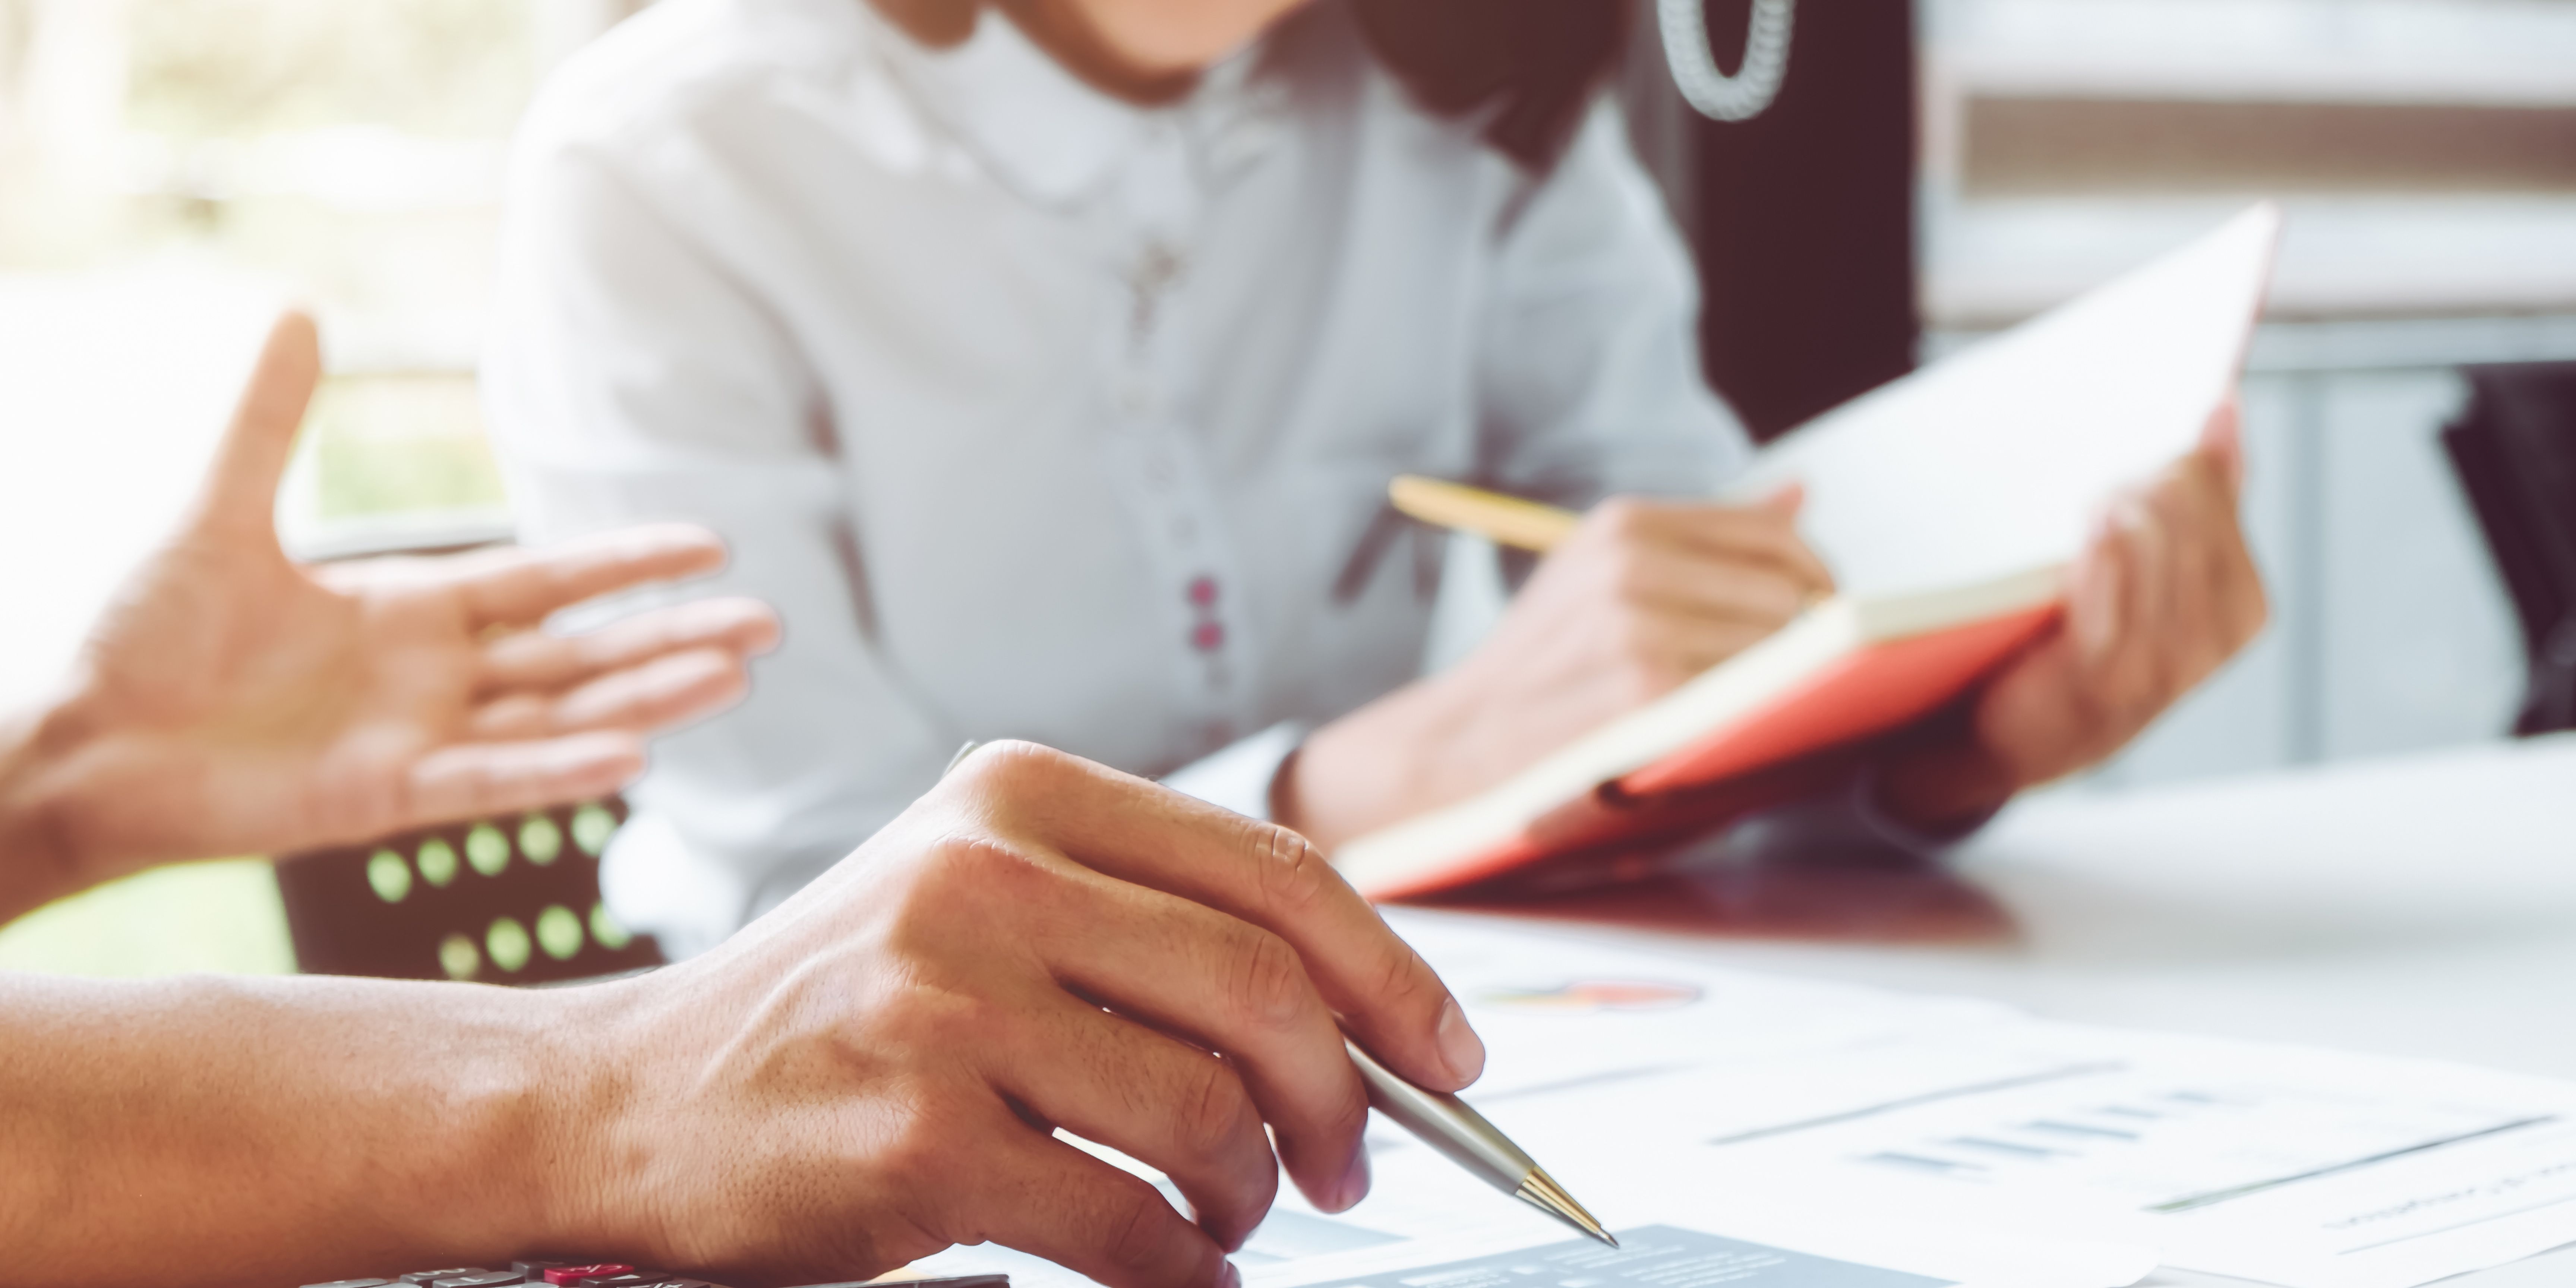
1996	460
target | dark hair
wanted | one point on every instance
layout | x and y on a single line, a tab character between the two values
1533	65
1529	66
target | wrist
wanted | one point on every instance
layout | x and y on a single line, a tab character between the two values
1944	785
42	855
1386	761
579	1075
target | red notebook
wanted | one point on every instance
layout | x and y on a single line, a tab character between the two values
1947	505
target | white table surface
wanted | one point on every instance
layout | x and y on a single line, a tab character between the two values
2423	906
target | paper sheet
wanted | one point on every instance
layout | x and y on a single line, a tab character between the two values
1959	1140
2297	1166
1660	1256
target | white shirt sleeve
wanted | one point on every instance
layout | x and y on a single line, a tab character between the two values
628	380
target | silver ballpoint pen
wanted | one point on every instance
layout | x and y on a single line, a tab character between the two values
1450	1125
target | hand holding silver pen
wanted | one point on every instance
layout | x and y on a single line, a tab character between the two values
1452	1127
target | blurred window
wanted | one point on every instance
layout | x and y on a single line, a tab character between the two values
350	155
2427	148
167	168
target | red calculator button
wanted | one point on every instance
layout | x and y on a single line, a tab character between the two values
575	1274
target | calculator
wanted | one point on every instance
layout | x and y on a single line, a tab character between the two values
608	1274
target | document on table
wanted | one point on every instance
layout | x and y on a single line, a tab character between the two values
2297	1166
1660	1256
1958	1140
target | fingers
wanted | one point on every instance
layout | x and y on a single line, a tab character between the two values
1667	649
1130	829
523	587
1694	584
2235	584
1051	1200
2139	667
2222	441
536	660
1229	986
1690	583
2165	593
241	489
1766	533
1175	1108
2098	596
476	779
655	695
2193	505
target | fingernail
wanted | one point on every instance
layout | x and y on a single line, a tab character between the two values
1355	1182
1460	1048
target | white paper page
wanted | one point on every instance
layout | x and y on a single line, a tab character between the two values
1662	1256
2305	1167
1996	460
2477	1204
1684	1253
1559	1013
2309	1168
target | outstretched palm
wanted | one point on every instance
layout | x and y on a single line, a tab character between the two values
231	701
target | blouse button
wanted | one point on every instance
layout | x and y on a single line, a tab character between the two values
1208	637
1203	591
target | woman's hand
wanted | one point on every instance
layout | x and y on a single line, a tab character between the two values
1644	596
873	1071
232	702
2164	594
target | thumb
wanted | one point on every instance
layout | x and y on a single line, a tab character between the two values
1787	501
241	489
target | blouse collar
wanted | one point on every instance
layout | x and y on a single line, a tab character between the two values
1043	132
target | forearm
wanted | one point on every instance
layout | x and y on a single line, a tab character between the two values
286	1131
1943	787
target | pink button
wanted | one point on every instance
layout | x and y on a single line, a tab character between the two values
1203	591
1209	637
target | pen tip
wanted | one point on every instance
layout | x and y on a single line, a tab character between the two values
1541	1191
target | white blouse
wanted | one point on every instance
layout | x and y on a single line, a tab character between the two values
1041	415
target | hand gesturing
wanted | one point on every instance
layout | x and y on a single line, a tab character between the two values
231	701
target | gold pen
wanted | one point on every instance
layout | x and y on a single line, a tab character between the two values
1506	520
1503	520
1449	1125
